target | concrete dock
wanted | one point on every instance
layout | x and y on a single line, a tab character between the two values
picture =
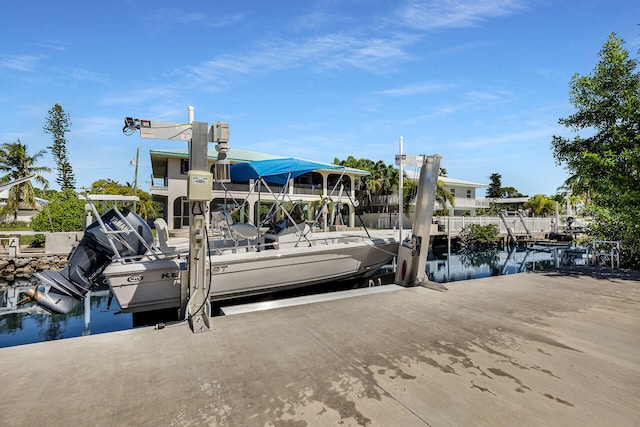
533	349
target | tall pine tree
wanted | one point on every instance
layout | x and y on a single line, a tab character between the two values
57	125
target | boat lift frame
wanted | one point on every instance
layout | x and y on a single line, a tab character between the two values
195	305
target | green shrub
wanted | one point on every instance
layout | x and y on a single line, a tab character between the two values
63	212
479	237
14	225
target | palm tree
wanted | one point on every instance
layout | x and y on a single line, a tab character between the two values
540	205
17	163
443	196
365	185
386	178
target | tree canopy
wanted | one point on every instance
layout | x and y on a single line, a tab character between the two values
497	191
540	205
604	162
383	180
144	207
494	191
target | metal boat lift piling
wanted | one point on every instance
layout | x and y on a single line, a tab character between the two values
195	305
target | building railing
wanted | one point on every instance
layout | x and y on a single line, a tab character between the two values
231	186
459	202
159	181
455	224
307	189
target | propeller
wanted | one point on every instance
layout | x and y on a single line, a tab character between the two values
31	295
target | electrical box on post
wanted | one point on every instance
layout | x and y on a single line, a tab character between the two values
199	186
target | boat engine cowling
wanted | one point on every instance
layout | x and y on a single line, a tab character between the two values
61	290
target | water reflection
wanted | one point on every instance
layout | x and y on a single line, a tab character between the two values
30	324
493	262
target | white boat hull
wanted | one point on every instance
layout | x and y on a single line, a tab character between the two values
155	284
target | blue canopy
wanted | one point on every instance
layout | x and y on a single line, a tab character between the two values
276	171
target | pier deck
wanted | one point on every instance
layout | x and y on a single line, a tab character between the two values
547	348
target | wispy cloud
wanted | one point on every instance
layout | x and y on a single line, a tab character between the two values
141	96
526	136
416	89
87	128
180	17
53	45
81	74
312	21
330	51
435	14
175	16
367	45
26	63
226	21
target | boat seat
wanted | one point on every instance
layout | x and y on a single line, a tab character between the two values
162	231
246	231
166	244
238	229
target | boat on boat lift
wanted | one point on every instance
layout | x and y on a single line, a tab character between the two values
281	252
144	273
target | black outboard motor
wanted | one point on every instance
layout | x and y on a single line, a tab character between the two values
60	291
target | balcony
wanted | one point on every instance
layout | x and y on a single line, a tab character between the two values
231	186
464	202
307	189
159	183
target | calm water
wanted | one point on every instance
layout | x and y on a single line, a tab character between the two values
500	262
91	316
96	316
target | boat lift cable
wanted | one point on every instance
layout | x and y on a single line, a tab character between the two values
208	294
237	206
358	215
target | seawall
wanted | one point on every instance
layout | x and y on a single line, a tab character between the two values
20	262
23	266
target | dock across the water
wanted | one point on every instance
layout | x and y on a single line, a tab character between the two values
533	349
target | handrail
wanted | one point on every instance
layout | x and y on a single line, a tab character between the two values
613	253
617	257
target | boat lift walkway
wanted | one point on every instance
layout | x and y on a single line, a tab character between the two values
530	349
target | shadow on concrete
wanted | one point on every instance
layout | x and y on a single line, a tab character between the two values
596	272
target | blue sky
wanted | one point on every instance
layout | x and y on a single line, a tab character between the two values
481	82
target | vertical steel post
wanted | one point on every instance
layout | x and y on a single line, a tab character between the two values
400	190
425	203
412	254
199	305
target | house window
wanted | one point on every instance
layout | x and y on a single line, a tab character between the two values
333	179
184	166
468	194
453	192
180	213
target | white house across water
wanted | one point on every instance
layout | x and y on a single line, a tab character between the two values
169	187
